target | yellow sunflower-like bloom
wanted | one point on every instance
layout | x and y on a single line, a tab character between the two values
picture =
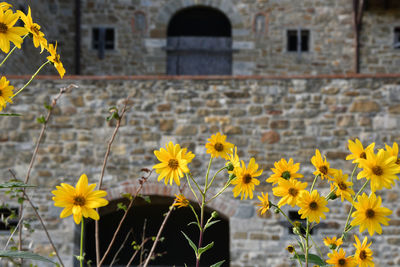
9	33
333	242
322	166
264	203
79	201
34	29
393	151
218	147
363	254
343	186
339	259
4	6
233	160
357	150
312	206
381	169
245	180
370	215
55	59
173	164
290	249
284	170
181	201
289	190
6	92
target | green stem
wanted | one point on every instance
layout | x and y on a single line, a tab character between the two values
81	250
318	249
191	188
215	175
352	175
220	191
328	196
12	50
313	184
208	172
352	206
298	258
307	247
195	214
33	76
281	211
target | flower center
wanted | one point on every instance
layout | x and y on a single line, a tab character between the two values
285	175
363	155
219	147
377	170
3	27
313	205
293	191
35	29
370	213
173	164
290	249
342	186
323	169
246	178
342	262
79	201
363	255
398	161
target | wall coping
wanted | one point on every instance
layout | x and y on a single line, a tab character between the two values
207	77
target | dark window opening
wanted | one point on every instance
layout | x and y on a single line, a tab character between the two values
103	39
8	218
295	216
396	43
199	42
174	250
298	40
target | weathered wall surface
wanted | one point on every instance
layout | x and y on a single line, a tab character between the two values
331	47
267	119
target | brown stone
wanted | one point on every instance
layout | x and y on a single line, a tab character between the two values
365	106
270	137
395	109
330	91
336	155
240	235
263	121
186	130
213	104
255	110
166	125
258	236
346	120
164	107
234	94
280	124
232	130
365	121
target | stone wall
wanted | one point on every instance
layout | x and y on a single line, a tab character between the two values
255	52
267	119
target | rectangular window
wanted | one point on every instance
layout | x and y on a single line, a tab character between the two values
103	38
298	40
396	44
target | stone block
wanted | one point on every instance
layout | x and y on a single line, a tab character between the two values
186	130
365	106
279	124
270	137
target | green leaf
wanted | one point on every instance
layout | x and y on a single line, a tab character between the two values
24	255
210	223
127	195
14	185
190	243
41	119
312	258
121	206
218	264
146	198
47	106
204	249
10	114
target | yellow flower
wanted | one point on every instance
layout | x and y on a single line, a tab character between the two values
264	203
393	151
333	242
7	30
312	206
4	6
363	254
187	155
181	201
55	59
245	180
289	190
34	29
322	166
233	159
338	259
218	147
343	186
358	151
173	164
381	169
284	170
6	92
370	215
79	201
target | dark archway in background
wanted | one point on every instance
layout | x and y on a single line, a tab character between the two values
174	250
199	42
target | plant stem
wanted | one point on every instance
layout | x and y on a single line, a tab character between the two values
313	184
81	249
215	175
201	227
220	191
316	246
12	50
307	246
33	76
191	188
208	172
352	175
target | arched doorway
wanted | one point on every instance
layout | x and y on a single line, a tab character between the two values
173	251
199	42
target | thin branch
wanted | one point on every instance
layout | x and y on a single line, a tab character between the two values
143	238
97	235
136	252
141	181
120	248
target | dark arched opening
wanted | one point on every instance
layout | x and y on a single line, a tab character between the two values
199	42
174	250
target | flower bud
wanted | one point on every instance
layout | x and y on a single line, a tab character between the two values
214	214
232	176
276	211
230	166
332	246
